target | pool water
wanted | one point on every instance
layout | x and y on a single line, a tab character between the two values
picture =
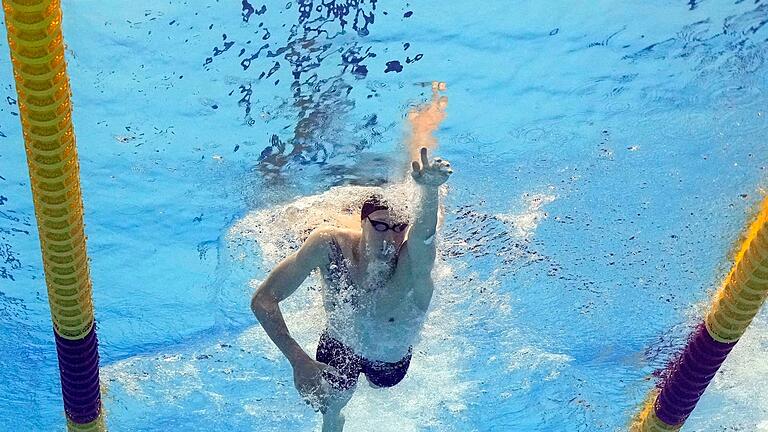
607	156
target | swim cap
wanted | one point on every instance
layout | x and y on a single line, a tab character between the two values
372	204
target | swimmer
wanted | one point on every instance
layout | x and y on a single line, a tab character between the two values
377	286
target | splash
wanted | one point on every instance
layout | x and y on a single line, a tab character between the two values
525	223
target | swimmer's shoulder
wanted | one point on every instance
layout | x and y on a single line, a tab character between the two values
321	238
346	236
316	249
330	233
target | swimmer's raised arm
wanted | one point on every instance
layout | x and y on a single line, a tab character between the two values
283	281
424	122
429	176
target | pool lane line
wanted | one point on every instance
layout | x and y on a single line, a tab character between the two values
39	68
736	303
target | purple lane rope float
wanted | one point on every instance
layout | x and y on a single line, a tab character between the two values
737	302
37	53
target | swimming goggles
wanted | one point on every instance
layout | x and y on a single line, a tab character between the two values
383	226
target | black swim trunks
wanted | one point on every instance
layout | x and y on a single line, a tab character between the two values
381	374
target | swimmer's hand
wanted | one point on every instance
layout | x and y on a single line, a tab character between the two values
309	381
432	173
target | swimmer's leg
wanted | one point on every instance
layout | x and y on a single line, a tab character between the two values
333	419
337	388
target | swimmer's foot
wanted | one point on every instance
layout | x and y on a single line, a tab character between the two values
333	422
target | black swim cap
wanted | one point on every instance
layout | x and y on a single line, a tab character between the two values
372	204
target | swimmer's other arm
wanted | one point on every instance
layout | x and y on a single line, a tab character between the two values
283	281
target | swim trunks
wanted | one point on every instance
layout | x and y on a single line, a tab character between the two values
381	374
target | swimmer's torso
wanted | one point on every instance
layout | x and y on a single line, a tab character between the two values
375	312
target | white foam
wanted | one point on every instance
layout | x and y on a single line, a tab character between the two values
525	223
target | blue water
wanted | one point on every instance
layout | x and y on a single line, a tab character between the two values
607	156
